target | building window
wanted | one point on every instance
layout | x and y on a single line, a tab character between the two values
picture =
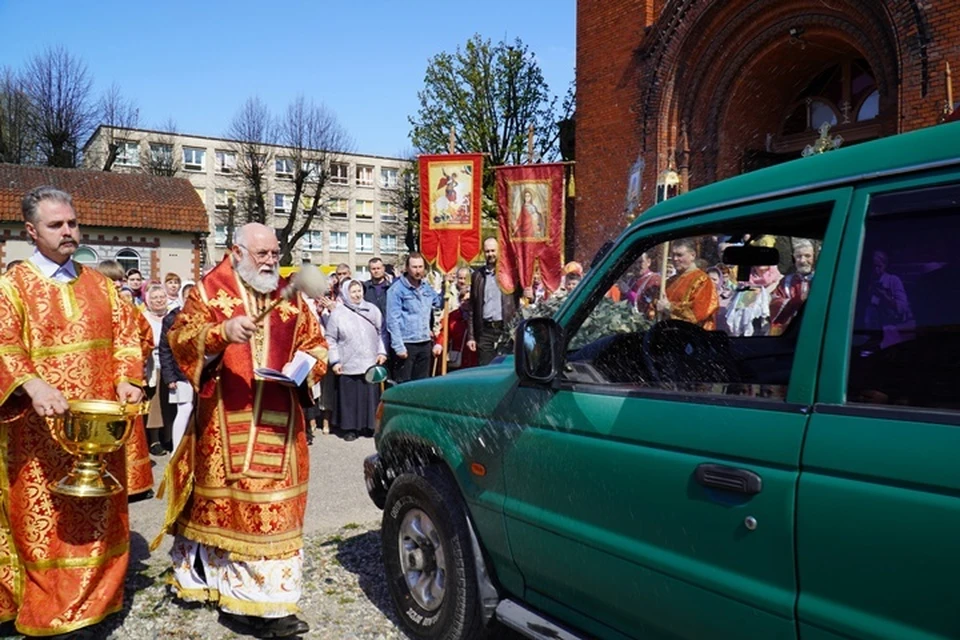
161	155
311	170
128	153
364	176
365	242
85	255
226	161
222	198
312	240
388	244
338	208
282	203
339	173
361	272
870	108
220	235
284	168
338	241
364	209
129	259
387	211
193	158
388	177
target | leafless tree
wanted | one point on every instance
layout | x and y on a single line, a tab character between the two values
252	133
117	116
159	158
313	139
58	86
406	199
17	142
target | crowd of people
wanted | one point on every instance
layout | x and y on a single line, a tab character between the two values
237	411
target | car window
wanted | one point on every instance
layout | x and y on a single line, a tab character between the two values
906	325
679	317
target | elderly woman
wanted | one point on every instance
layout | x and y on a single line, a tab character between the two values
355	344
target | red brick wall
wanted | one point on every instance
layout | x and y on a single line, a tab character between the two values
729	70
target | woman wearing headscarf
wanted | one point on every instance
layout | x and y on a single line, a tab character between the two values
355	344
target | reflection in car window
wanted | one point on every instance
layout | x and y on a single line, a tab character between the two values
906	331
688	321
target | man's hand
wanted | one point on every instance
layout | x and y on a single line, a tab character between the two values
47	401
130	394
240	329
172	386
338	369
437	349
402	356
381	359
472	345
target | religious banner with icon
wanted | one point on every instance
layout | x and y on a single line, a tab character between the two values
531	218
450	190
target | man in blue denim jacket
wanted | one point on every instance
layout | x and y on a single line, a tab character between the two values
410	304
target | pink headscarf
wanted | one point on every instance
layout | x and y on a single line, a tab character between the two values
765	279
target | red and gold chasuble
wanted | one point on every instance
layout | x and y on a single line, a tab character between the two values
139	467
239	479
63	560
693	298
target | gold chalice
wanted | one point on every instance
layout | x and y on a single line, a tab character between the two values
90	429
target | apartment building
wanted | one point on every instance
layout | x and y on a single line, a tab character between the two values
359	216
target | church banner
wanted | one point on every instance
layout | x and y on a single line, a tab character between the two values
531	218
450	190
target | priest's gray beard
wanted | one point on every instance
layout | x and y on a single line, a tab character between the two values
259	281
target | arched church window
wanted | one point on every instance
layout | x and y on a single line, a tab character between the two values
821	112
843	93
870	108
85	255
128	259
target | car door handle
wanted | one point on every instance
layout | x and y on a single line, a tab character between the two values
719	476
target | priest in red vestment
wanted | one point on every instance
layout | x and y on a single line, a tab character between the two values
691	296
238	481
64	335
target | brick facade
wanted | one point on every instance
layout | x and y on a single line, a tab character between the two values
727	74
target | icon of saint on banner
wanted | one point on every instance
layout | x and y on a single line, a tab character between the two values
529	210
451	195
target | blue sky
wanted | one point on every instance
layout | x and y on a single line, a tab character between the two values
196	62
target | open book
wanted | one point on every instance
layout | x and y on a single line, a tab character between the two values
293	373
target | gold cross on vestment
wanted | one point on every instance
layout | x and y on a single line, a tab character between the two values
226	303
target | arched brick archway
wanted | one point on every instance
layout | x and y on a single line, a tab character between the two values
730	72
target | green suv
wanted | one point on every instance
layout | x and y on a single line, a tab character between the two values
759	439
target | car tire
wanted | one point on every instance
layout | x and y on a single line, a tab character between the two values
428	558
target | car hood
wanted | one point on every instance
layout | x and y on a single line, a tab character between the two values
474	391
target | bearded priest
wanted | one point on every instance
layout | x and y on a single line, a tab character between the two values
238	480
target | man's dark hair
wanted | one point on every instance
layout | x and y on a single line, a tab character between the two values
374	260
414	255
132	271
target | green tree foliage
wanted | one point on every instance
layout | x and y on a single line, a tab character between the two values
489	94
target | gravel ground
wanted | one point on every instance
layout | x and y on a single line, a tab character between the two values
344	592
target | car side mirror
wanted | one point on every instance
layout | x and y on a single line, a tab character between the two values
538	350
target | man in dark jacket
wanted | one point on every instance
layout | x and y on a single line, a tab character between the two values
375	289
490	308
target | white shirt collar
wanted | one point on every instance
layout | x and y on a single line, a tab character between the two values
61	273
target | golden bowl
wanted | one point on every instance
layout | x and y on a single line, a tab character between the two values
89	430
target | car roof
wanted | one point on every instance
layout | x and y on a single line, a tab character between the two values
903	153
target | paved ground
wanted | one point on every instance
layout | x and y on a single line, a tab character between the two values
337	494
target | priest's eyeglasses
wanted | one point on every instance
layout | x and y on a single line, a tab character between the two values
261	255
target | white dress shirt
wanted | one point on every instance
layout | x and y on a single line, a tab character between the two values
60	272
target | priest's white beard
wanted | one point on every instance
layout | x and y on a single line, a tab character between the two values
261	280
